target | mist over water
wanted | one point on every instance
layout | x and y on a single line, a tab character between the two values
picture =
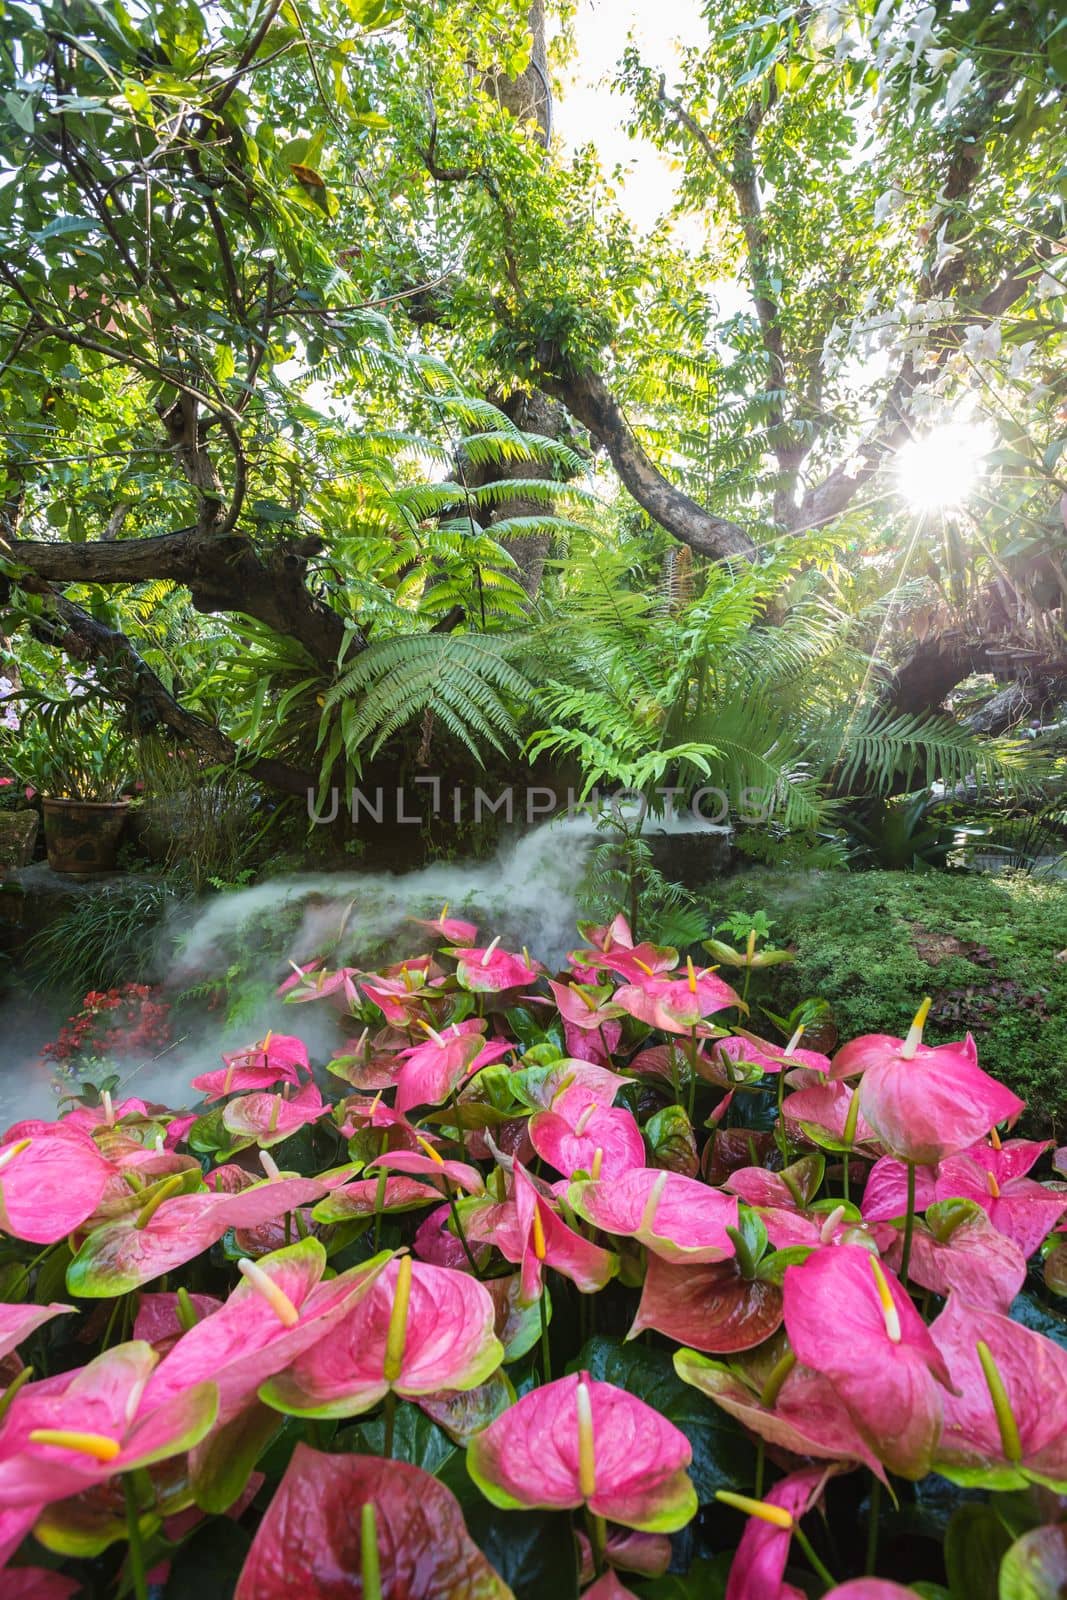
529	893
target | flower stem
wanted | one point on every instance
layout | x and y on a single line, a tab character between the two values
546	1349
872	1526
462	1237
909	1225
761	1454
805	1544
598	1539
133	1534
389	1414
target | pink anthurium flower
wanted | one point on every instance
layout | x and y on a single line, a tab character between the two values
579	1132
65	1434
791	1191
646	1553
636	963
171	1228
758	1568
959	1248
419	1329
280	1308
579	1442
609	1587
712	1308
673	1216
615	934
490	970
1019	1207
849	1319
367	1196
677	1005
314	982
429	1166
277	1058
826	1114
434	1070
585	1006
335	1517
401	992
1006	1426
788	1406
270	1118
995	1179
50	1181
452	929
870	1589
773	1058
540	1238
924	1102
544	1085
18	1322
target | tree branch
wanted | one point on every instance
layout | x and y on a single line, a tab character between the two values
70	628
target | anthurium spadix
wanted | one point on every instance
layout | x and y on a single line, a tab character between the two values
65	1434
50	1181
419	1329
850	1319
924	1102
578	1442
342	1526
675	1217
172	1228
276	1058
1006	1424
281	1307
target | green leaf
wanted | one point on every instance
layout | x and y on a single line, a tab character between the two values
723	1456
416	1439
210	1562
975	1541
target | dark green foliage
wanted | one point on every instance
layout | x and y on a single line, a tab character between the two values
874	943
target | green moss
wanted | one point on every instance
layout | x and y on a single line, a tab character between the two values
873	943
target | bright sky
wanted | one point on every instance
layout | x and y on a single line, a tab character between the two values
589	112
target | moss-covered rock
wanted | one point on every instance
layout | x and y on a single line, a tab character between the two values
873	943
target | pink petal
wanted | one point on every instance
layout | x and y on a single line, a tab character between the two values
613	1132
687	1222
245	1342
270	1118
1034	1373
19	1321
50	1186
450	1344
759	1565
530	1457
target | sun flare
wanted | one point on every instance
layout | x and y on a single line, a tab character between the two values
941	469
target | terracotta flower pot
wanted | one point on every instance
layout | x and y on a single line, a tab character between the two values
82	836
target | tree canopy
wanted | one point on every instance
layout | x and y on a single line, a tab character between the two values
340	399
